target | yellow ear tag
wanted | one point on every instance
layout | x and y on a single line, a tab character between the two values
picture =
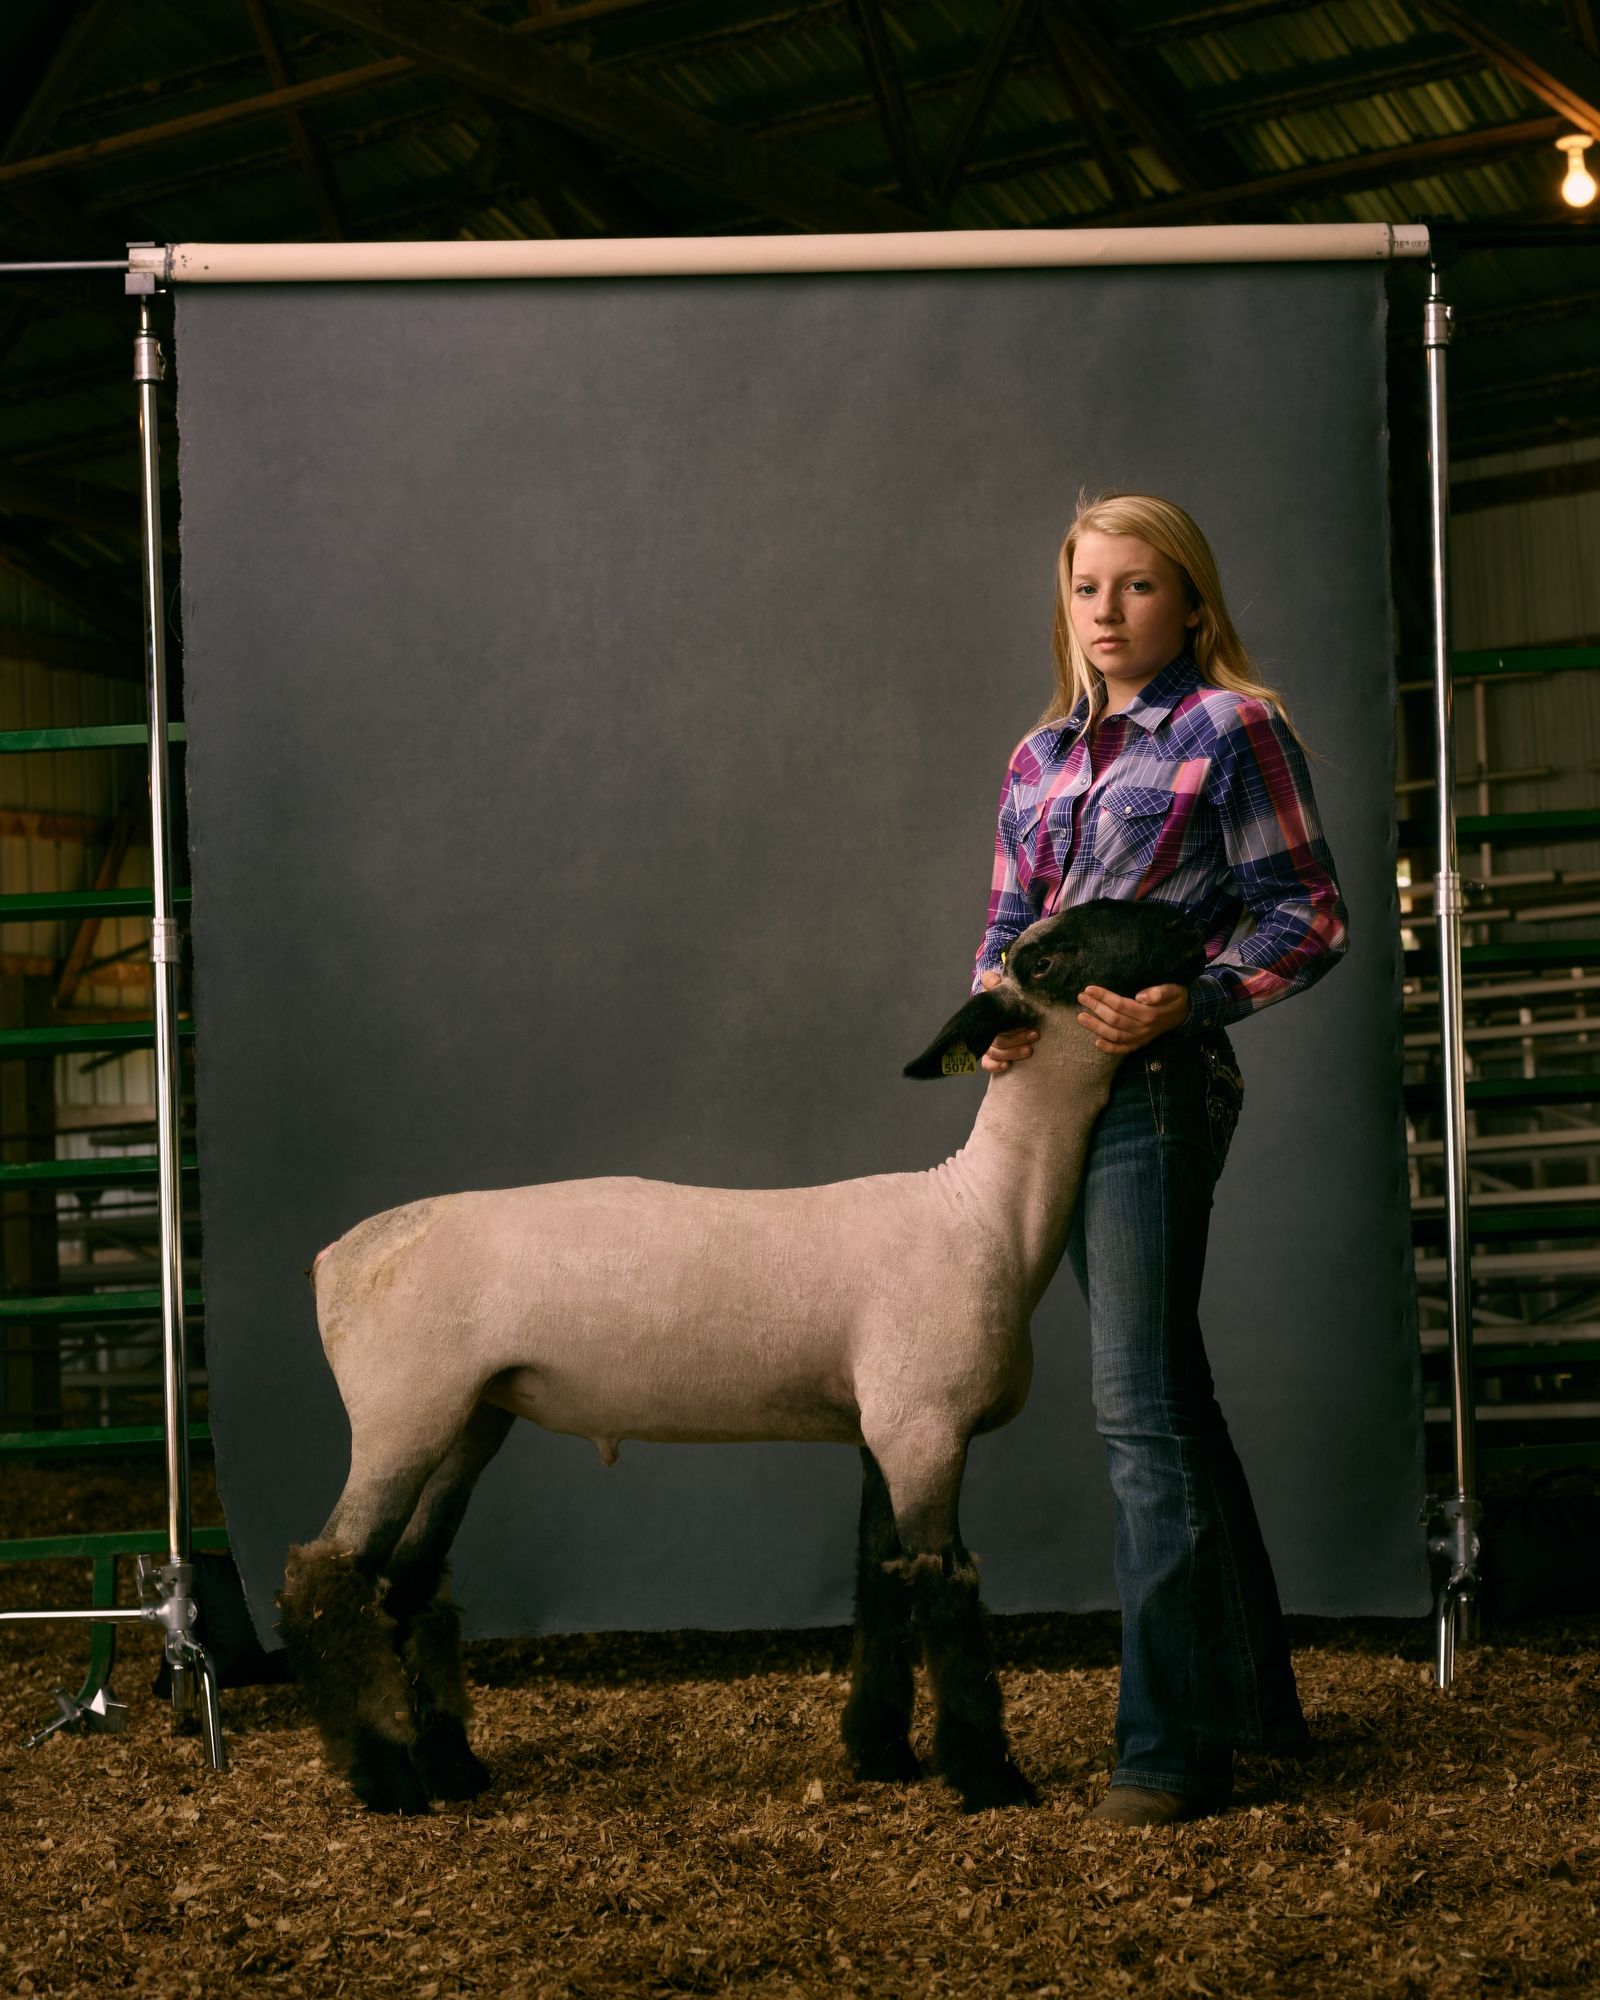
957	1060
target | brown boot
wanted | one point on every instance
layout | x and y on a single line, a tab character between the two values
1131	1805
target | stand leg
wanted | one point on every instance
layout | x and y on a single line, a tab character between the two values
1454	1545
210	1711
1453	1619
94	1708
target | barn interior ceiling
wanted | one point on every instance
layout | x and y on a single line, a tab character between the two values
244	120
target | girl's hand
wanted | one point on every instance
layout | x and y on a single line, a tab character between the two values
1120	1026
1015	1045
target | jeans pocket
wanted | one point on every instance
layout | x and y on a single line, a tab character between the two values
1224	1100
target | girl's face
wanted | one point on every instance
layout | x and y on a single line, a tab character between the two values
1128	610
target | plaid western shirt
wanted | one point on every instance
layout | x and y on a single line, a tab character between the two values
1191	795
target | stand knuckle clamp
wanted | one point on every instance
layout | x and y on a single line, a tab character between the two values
166	1591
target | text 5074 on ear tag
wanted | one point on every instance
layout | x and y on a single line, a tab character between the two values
957	1060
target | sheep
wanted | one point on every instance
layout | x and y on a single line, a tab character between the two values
889	1312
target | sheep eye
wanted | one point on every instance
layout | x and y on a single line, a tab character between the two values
1041	970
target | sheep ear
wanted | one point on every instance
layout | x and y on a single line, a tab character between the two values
964	1037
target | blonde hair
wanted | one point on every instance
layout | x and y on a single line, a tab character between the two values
1216	648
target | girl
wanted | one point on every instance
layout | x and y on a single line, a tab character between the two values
1165	767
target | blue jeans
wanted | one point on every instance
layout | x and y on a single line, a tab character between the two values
1205	1662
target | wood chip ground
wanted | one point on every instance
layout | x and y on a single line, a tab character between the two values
671	1814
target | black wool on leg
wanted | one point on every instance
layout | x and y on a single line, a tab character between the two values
342	1649
969	1743
877	1718
431	1657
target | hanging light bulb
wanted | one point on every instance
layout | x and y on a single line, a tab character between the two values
1578	189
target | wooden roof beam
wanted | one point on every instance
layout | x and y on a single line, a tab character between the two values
562	171
894	114
1149	106
1086	110
44	94
1360	170
1211	20
118	145
60	64
1526	47
100	510
978	101
83	592
514	69
61	649
313	161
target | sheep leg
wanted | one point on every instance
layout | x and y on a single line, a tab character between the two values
341	1641
877	1718
427	1623
969	1739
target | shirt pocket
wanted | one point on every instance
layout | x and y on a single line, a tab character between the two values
1128	826
1035	849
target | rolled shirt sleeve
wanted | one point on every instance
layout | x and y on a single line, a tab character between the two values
1009	911
1260	788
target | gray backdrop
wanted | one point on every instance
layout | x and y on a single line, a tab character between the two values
598	693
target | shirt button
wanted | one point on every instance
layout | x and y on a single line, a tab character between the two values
1156	1064
1127	812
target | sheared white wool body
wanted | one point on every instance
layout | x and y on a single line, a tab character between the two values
891	1310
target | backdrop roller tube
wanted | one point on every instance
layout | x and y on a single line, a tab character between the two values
703	256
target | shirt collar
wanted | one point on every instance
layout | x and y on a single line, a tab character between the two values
1154	702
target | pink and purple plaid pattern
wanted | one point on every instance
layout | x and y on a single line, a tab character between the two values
1193	796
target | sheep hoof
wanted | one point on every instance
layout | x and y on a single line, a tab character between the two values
998	1785
384	1777
445	1761
887	1763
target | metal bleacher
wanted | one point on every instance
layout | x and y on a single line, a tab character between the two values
1531	987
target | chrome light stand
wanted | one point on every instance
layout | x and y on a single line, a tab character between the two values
1453	1540
166	1589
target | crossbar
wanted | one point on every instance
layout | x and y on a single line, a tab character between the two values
709	256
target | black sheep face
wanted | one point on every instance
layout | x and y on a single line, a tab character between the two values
1124	947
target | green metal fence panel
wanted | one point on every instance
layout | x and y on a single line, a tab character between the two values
97	736
1526	660
45	905
106	1437
127	1170
1545	955
1557	1219
1510	1092
131	1542
1574	823
78	1038
94	1305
